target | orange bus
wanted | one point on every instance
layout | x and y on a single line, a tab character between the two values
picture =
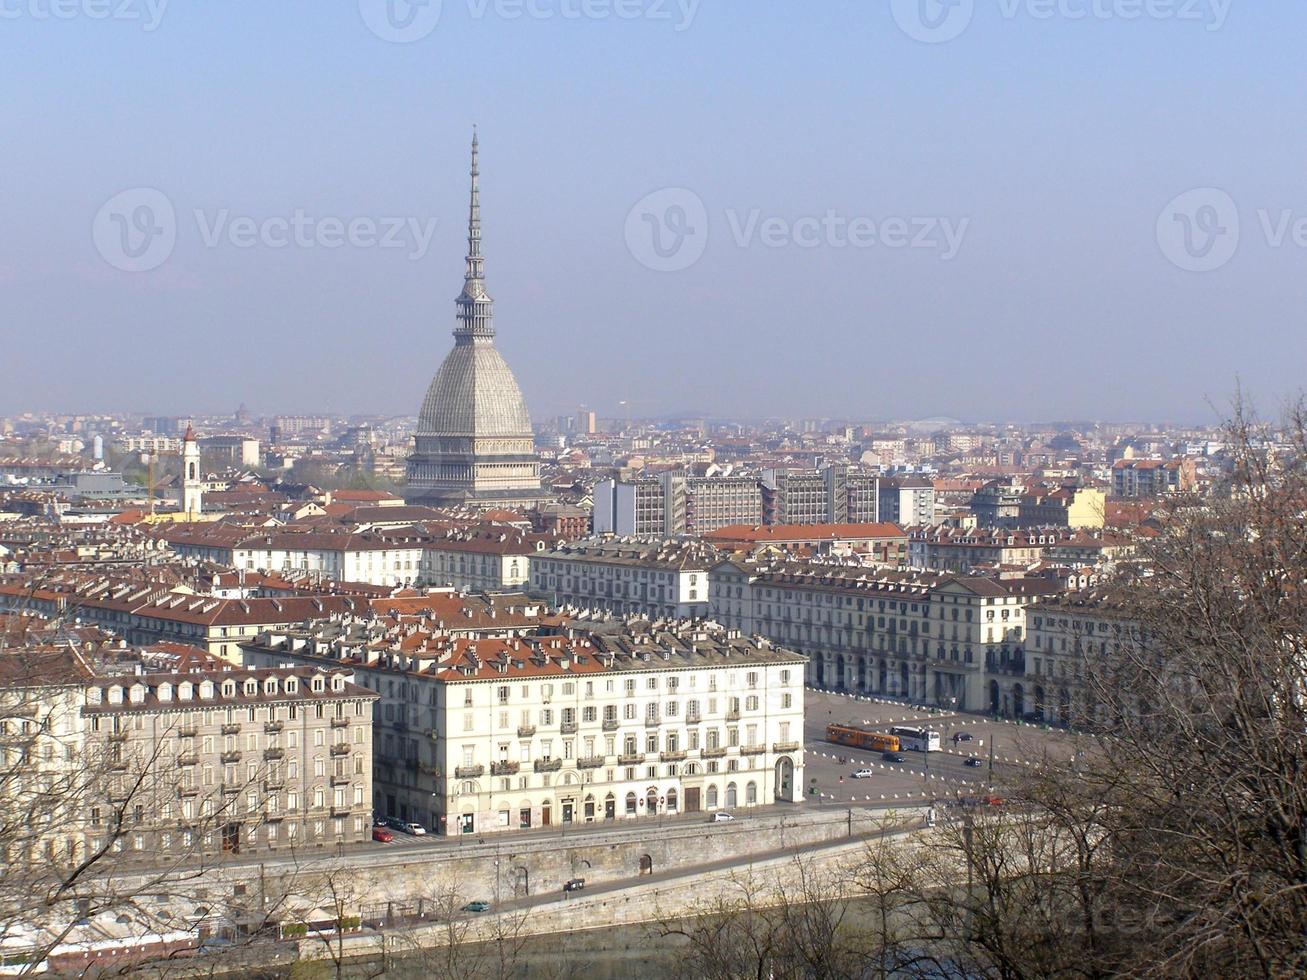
860	738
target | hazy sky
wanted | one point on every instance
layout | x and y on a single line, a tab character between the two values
852	214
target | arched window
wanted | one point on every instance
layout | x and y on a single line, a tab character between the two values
630	804
731	798
751	793
712	797
671	801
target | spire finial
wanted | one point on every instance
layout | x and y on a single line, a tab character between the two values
473	304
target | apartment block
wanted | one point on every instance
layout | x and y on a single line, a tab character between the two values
597	723
657	579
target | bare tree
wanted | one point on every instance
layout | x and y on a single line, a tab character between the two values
101	833
791	921
454	944
1175	843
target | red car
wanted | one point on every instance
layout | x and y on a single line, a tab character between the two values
382	835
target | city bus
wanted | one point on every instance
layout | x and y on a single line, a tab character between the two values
917	739
860	738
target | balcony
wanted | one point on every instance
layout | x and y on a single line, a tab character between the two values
631	759
117	736
755	749
652	722
786	746
187	731
231	729
273	727
568	728
274	753
228	758
714	753
548	765
189	759
274	784
590	762
188	791
430	769
469	772
525	731
344	723
693	718
341	811
340	748
611	724
340	779
505	768
273	816
733	715
672	756
118	765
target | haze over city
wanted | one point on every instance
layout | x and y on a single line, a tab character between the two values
1044	149
591	489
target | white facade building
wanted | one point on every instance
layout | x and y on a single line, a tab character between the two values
611	723
627	577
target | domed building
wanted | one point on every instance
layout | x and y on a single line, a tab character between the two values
473	444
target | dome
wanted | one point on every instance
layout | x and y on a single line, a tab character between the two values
474	394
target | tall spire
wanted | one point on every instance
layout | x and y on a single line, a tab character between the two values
474	304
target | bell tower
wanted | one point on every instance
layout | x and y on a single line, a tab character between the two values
192	485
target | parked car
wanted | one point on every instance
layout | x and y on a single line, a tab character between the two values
416	829
964	736
574	885
893	757
993	800
477	907
721	816
862	774
973	762
382	836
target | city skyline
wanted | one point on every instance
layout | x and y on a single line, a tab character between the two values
978	254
